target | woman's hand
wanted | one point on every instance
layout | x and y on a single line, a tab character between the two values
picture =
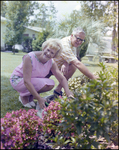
41	102
70	94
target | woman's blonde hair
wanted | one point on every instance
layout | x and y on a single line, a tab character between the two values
53	44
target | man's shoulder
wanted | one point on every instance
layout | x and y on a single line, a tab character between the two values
67	38
66	41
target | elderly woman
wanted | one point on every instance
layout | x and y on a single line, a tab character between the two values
29	78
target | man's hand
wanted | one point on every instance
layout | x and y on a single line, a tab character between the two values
95	77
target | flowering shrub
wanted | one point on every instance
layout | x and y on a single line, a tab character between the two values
20	129
51	118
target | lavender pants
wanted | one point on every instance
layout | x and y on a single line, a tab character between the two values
38	83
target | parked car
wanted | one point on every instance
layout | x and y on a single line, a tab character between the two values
17	46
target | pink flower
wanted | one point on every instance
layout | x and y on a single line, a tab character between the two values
49	131
72	134
60	97
20	124
2	120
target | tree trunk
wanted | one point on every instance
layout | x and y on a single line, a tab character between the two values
114	36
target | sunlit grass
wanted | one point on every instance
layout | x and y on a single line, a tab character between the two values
9	97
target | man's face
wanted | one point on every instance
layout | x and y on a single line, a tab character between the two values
78	39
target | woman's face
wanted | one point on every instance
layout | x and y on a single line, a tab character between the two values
49	53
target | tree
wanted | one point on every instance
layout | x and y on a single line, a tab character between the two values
94	30
46	17
107	13
3	8
93	9
17	14
27	44
37	44
114	14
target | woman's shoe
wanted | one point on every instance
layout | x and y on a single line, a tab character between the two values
25	105
31	102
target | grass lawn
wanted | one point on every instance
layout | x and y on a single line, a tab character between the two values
9	97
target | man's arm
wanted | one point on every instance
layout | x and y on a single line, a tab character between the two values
79	65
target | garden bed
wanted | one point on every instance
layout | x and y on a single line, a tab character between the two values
88	121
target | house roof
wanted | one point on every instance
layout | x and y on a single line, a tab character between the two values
3	19
38	29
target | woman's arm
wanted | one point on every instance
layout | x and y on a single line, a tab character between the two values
27	70
62	80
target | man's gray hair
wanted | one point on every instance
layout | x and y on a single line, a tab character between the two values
78	30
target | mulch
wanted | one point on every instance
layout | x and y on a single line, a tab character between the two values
42	144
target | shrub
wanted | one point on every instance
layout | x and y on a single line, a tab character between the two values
8	47
83	49
27	44
51	119
20	129
91	115
37	44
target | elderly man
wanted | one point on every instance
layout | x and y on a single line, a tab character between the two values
68	62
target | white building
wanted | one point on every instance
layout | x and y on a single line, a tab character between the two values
29	31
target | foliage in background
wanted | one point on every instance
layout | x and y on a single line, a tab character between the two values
93	19
37	44
46	17
82	50
17	15
3	8
20	129
93	29
92	115
27	44
107	13
93	11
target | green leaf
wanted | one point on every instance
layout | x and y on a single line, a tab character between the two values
78	127
73	140
106	136
97	134
95	144
67	141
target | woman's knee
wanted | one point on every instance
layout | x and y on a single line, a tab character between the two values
46	88
49	87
